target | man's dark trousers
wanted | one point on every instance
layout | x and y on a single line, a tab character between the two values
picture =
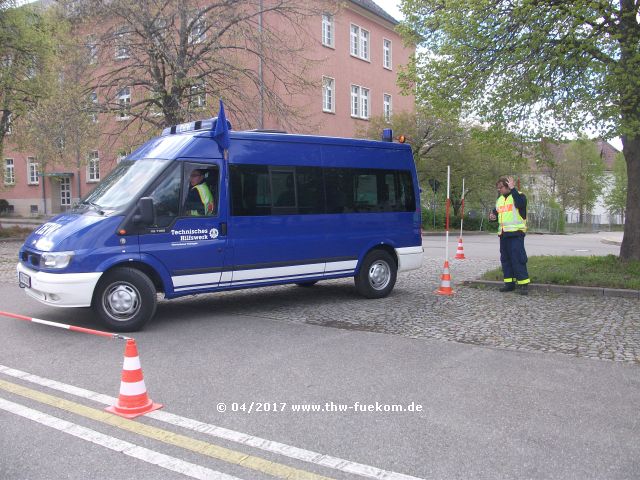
513	257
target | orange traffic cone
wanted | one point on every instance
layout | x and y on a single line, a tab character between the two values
133	400
445	281
460	250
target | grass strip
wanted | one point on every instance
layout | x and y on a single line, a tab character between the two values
595	271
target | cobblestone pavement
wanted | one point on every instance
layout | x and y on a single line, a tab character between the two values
594	327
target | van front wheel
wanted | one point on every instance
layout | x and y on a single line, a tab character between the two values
377	275
125	299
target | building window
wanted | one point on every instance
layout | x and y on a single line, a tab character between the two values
124	103
9	172
386	106
198	33
198	98
92	49
93	98
93	167
386	53
359	102
328	88
327	30
32	171
122	43
359	42
65	191
8	127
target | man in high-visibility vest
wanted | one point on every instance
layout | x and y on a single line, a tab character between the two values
511	213
199	200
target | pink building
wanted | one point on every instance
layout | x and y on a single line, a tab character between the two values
358	57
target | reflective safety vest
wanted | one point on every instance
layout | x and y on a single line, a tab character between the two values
508	216
205	197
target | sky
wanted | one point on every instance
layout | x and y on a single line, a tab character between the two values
392	7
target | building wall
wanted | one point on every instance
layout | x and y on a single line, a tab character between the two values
335	62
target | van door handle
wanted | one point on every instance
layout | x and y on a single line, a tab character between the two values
223	229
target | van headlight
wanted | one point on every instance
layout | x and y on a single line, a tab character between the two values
55	259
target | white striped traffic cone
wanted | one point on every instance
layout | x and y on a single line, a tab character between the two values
460	250
445	281
133	400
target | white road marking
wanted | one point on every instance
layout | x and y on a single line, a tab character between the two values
150	456
221	432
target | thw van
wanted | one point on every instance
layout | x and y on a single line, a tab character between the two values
283	209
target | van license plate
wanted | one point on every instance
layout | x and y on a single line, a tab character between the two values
24	280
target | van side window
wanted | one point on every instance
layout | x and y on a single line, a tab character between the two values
289	190
339	187
166	198
310	188
250	190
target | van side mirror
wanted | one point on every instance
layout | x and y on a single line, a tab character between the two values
145	211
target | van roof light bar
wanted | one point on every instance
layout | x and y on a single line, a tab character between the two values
209	124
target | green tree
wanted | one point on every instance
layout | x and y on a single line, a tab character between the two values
579	176
479	155
25	50
616	199
174	59
541	66
60	129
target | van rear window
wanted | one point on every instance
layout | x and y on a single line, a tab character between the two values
258	190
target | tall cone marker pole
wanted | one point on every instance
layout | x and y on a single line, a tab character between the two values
445	278
133	400
460	250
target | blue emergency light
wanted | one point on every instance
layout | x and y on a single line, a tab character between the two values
387	135
209	124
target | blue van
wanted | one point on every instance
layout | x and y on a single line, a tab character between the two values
179	217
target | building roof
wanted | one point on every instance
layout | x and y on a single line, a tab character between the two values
556	151
375	9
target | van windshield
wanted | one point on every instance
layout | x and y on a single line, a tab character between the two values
125	183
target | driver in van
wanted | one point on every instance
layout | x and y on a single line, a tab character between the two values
200	199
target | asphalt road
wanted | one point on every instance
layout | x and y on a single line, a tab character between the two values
486	411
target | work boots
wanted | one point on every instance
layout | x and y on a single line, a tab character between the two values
508	287
523	289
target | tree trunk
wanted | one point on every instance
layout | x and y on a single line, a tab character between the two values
630	249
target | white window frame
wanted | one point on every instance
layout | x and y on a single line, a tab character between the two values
124	102
387	106
93	97
122	44
328	94
32	171
387	59
198	97
359	42
9	127
93	167
92	47
198	32
360	102
9	171
65	192
328	29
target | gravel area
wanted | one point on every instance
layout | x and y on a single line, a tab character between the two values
594	327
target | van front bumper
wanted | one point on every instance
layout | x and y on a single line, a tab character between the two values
60	289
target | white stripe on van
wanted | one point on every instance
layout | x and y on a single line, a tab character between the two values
261	275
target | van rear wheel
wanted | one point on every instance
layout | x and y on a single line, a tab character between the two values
377	275
125	299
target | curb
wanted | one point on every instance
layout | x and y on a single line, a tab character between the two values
610	241
570	289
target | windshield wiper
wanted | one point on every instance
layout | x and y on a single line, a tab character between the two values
94	205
